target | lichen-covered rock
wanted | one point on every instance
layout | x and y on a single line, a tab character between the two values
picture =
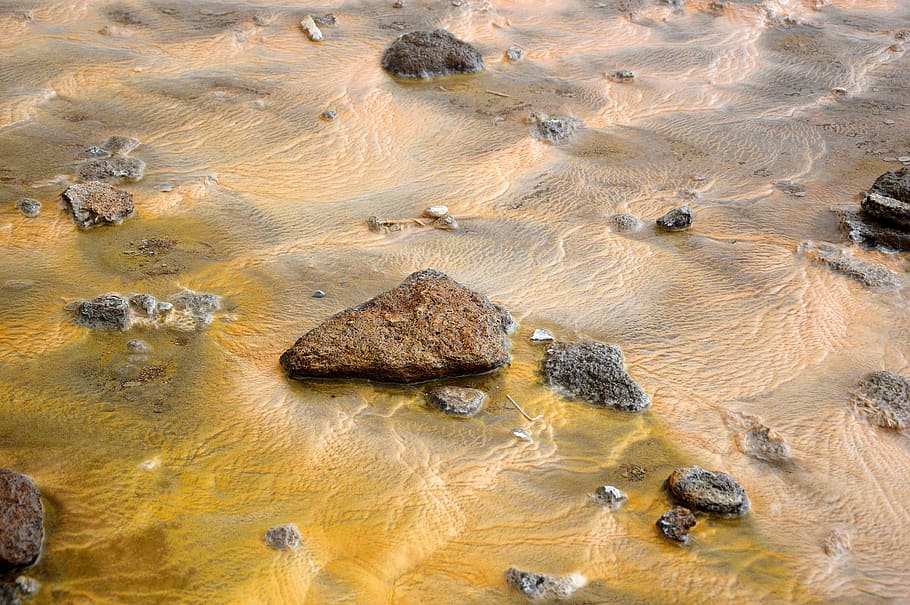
708	491
676	523
869	274
678	219
428	327
456	401
283	537
537	585
29	207
107	312
595	372
428	54
21	521
885	398
118	168
97	203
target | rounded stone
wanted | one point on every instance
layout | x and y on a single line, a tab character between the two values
283	537
456	401
21	521
436	211
29	207
708	491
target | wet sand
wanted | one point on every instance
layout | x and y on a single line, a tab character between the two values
162	491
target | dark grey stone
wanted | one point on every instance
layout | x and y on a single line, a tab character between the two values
428	54
678	219
283	537
107	312
708	491
29	207
537	585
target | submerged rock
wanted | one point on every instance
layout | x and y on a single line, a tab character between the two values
428	327
21	521
676	523
596	372
29	207
199	307
514	54
678	219
763	443
97	203
145	303
869	274
708	491
118	145
837	544
885	398
107	312
556	130
609	496
537	585
112	169
625	223
456	401
428	54
283	537
138	346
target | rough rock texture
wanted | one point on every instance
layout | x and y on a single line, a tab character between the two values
609	496
869	233
514	54
21	521
112	169
557	129
869	274
107	312
456	401
596	372
676	523
283	537
625	223
885	398
96	203
541	335
708	491
29	207
678	219
537	585
887	210
428	54
197	306
428	327
763	443
894	184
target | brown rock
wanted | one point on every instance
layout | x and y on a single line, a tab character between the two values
675	524
428	54
708	491
456	401
95	203
428	327
21	521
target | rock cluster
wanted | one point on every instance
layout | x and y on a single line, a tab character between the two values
185	310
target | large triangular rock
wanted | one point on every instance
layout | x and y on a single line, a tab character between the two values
428	327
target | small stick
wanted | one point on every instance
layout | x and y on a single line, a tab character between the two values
499	94
523	413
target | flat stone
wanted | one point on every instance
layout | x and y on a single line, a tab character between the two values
428	327
708	491
676	523
97	203
429	54
456	401
885	398
871	275
763	443
870	233
541	335
609	496
436	211
29	207
538	585
887	210
678	219
595	372
446	223
199	306
107	312
118	145
119	168
21	521
283	537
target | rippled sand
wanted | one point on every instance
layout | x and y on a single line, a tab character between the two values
161	492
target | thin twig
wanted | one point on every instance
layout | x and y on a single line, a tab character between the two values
499	94
523	413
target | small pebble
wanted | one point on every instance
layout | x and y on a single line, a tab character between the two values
138	346
398	4
888	122
435	211
29	207
903	159
328	115
283	537
698	177
164	307
319	294
623	75
839	90
522	434
27	586
609	496
327	19
541	335
446	223
514	54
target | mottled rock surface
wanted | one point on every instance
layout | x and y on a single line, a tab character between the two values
97	203
428	54
678	219
120	145
708	491
869	233
197	306
625	223
118	168
21	521
283	537
456	401
537	585
609	496
107	312
595	372
29	207
428	327
871	275
763	443
885	398
676	523
556	130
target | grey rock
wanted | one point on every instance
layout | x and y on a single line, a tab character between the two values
894	184
21	521
436	212
446	223
538	585
112	169
283	537
95	152
886	210
869	274
107	312
328	115
763	443
676	523
623	75
456	401
625	223
885	398
869	233
29	207
97	203
429	54
118	145
556	130
319	294
138	346
165	307
200	307
678	219
609	496
514	54
27	586
595	372
145	303
328	19
708	491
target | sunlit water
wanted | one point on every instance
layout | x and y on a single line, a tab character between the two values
159	489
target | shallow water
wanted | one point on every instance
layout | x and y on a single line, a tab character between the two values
160	489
